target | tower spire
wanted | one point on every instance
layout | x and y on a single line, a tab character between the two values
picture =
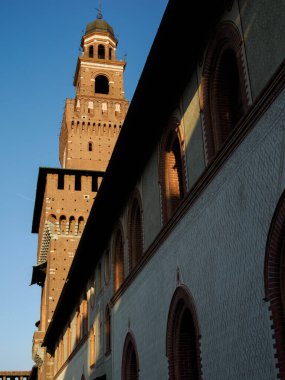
99	10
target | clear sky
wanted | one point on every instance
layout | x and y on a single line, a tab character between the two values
39	47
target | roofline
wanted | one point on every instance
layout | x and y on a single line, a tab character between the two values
41	185
141	121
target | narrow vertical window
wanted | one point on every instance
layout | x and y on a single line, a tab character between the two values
92	347
110	53
118	249
90	146
91	51
78	326
101	52
135	232
172	173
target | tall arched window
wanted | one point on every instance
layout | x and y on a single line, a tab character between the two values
107	331
101	52
101	85
62	224
135	231
225	98
91	51
182	338
118	254
172	171
274	271
90	146
130	361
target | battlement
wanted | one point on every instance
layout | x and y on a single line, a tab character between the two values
68	183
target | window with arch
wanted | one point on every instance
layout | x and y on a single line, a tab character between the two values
274	273
110	53
91	51
182	338
107	331
90	146
225	98
80	224
172	170
71	225
118	254
135	231
130	360
101	85
101	51
62	224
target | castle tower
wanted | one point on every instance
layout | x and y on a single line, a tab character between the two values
92	121
90	128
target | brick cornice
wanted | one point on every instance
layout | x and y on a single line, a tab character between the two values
246	124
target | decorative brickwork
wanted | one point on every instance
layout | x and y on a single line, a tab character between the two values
130	361
182	339
274	273
224	87
172	169
135	230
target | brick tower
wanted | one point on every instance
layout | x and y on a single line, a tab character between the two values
90	127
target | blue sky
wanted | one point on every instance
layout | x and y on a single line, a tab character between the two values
39	47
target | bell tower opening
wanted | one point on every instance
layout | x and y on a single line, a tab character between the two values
101	85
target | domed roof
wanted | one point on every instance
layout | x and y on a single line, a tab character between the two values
99	25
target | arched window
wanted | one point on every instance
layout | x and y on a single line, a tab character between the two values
172	171
274	271
71	225
118	254
107	331
80	224
62	224
182	338
91	51
135	231
130	361
101	52
101	85
225	98
90	146
110	53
